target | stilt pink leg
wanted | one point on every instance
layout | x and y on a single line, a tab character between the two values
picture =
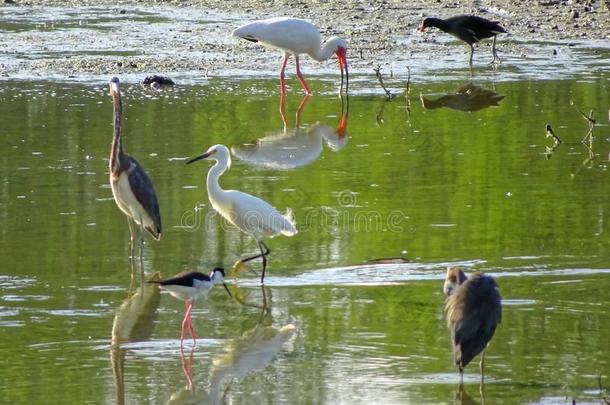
190	323
187	367
300	75
282	71
185	321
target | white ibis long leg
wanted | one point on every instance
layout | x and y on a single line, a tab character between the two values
300	75
282	74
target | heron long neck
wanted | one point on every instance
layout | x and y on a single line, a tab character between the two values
324	52
117	147
214	189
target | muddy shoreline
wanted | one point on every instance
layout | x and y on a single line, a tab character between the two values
379	31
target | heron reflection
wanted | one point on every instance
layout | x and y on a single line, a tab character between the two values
296	147
133	322
469	97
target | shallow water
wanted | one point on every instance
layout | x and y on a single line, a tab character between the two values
482	189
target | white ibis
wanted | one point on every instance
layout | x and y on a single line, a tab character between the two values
473	309
247	212
294	36
189	288
132	189
468	28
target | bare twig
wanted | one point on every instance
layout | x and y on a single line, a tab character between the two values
377	70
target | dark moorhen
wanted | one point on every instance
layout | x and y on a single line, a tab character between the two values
469	28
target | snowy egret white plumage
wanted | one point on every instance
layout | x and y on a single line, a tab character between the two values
132	189
295	36
189	288
248	213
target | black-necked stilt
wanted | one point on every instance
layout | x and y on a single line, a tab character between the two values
468	28
132	189
250	214
189	288
473	310
294	36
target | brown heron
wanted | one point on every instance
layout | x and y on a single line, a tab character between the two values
190	287
473	309
468	28
132	189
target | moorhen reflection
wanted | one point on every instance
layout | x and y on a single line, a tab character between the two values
189	288
250	214
468	28
132	189
294	36
133	321
297	147
473	310
469	97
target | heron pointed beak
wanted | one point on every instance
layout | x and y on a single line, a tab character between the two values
227	288
196	158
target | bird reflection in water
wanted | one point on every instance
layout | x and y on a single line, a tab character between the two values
469	97
297	147
133	322
256	348
462	397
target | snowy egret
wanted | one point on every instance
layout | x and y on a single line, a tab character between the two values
250	214
468	28
189	288
132	189
473	310
295	36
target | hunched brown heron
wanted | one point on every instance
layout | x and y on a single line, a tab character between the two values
473	309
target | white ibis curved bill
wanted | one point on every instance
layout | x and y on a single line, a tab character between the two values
294	36
189	288
473	310
248	213
132	189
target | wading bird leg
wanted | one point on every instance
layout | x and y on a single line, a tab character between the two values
494	53
261	244
300	75
262	254
482	367
142	254
185	322
282	71
297	118
471	53
132	234
283	110
190	324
